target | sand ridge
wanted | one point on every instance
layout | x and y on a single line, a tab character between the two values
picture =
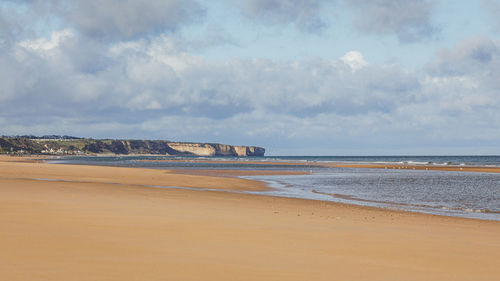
24	168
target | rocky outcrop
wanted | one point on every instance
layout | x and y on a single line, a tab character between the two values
126	147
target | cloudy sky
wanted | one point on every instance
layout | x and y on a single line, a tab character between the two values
298	77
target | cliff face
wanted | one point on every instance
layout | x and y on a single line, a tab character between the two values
215	149
127	147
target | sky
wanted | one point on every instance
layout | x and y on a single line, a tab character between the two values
303	77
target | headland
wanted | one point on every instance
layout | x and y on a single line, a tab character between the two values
68	145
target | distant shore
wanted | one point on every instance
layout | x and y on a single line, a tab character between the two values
73	222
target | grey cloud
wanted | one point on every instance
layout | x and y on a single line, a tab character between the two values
5	32
472	55
410	20
465	78
305	14
124	20
111	20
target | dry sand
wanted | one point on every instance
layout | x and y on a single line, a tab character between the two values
93	230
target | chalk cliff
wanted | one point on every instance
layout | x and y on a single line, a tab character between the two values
215	149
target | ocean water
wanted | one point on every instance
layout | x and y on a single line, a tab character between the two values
464	194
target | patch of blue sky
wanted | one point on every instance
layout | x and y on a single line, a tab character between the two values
463	19
454	20
40	25
276	41
46	26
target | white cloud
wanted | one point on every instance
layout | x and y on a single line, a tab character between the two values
354	60
43	44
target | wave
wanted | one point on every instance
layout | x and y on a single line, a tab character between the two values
410	206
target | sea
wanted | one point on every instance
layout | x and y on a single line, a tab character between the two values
462	194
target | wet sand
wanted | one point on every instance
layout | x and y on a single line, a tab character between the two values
101	223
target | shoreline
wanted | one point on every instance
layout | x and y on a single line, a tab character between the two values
356	165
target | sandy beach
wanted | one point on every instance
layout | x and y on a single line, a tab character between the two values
69	222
